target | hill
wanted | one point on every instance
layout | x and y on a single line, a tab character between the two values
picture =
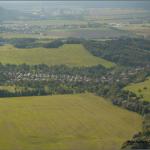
141	89
64	122
68	54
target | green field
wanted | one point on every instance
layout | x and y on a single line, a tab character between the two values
142	88
64	122
68	54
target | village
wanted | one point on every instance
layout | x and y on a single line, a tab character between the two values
110	77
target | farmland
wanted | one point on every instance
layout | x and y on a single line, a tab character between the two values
71	55
64	122
141	89
139	29
74	75
61	29
90	33
49	22
97	33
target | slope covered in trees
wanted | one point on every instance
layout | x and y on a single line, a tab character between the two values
123	51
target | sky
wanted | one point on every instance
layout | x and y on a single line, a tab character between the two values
58	4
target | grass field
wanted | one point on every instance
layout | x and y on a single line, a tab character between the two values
71	54
142	88
64	122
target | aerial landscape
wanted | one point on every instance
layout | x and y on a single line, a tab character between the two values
74	75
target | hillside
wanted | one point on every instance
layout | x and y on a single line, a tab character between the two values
64	122
141	89
123	51
68	54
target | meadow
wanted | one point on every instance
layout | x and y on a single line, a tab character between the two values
64	122
68	54
142	88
